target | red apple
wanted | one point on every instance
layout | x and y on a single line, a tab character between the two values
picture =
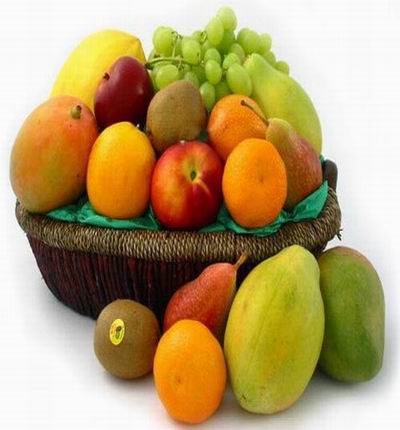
186	186
123	94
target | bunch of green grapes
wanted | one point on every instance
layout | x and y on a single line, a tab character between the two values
212	59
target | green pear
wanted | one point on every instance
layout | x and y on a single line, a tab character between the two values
280	96
303	166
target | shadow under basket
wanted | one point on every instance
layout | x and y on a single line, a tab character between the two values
87	267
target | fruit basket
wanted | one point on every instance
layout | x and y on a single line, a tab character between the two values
205	150
179	199
87	267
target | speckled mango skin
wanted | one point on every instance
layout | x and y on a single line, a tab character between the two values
353	297
50	154
274	332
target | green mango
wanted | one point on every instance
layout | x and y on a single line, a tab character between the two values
280	96
352	292
274	332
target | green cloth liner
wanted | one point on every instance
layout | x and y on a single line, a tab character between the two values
82	212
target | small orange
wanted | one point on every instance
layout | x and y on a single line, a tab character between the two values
119	172
231	122
254	183
189	372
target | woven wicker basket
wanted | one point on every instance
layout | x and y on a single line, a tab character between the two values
88	267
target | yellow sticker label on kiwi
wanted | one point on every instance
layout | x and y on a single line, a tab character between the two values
117	332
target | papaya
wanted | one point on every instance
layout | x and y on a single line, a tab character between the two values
91	59
274	331
352	292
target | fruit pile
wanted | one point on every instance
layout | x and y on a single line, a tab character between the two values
290	314
243	137
209	122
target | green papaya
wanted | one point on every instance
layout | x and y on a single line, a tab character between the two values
274	332
352	292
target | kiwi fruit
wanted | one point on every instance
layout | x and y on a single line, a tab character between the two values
175	113
126	338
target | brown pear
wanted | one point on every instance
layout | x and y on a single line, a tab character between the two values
207	298
303	166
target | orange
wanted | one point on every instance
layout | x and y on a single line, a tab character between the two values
254	183
230	122
189	372
119	172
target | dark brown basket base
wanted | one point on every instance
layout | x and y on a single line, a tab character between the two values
87	282
88	267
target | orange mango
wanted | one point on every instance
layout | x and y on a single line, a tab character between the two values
51	152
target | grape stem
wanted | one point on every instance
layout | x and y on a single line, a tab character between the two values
203	36
176	60
176	37
264	120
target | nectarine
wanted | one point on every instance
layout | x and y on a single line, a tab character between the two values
186	190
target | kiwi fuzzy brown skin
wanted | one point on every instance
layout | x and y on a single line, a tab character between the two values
133	357
175	113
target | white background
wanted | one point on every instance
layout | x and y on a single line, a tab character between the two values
347	55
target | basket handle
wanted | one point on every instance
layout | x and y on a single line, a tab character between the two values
330	173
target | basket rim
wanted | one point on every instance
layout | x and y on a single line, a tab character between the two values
175	246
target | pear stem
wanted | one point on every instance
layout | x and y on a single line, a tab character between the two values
241	260
244	103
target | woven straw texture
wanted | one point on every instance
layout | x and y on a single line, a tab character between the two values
87	267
